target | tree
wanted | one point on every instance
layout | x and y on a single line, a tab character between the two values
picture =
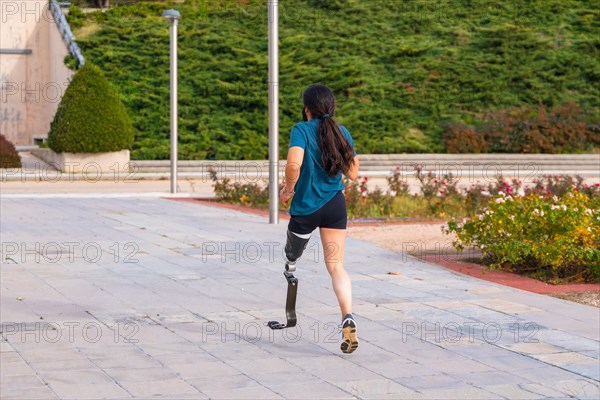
91	117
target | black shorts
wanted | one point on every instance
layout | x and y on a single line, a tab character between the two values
332	215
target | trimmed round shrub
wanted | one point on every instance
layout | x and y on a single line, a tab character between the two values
91	117
9	158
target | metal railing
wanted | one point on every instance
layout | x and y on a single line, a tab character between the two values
65	31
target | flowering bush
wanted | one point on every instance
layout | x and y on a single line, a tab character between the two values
361	203
477	196
442	194
247	194
555	238
559	185
396	184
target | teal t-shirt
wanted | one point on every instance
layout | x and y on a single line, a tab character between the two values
314	187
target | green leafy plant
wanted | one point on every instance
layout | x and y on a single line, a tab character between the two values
91	117
9	157
549	237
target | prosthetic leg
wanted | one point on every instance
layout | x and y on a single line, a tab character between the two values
294	247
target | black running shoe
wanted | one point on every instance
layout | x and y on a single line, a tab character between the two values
349	338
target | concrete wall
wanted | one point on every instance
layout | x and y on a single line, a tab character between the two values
31	84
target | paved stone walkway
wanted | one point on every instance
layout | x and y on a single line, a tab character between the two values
124	298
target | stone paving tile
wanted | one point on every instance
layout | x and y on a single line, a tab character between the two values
170	387
322	362
22	381
511	363
460	365
432	382
579	388
117	361
477	349
548	372
591	353
542	391
139	374
50	353
535	348
14	368
591	370
258	392
192	356
568	340
278	380
489	378
393	370
257	366
29	393
514	392
241	352
67	365
216	369
225	383
156	350
96	376
462	393
375	387
102	350
337	375
82	391
5	347
565	358
316	390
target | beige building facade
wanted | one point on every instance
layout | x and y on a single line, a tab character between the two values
33	76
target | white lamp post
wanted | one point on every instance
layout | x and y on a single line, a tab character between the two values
273	112
173	16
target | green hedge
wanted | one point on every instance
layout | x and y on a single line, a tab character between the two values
9	158
401	70
91	117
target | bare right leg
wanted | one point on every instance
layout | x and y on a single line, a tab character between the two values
333	248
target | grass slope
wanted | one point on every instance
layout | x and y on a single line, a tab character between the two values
400	69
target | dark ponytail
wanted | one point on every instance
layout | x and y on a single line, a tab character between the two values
337	155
